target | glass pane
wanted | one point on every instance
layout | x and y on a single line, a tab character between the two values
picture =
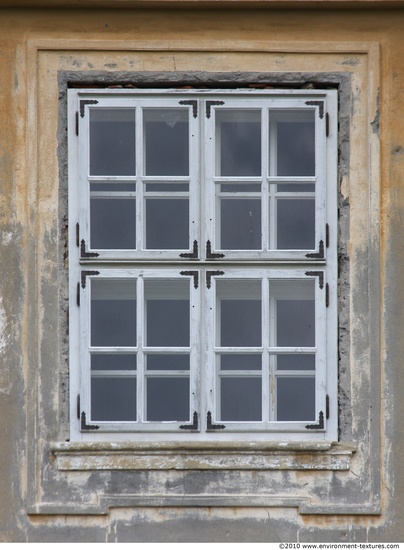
295	323
239	313
113	399
296	399
167	313
240	224
296	224
168	399
113	361
296	362
167	362
167	224
112	142
296	188
113	222
238	142
166	142
295	142
241	399
113	312
240	362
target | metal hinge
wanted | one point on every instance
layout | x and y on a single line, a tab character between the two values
77	234
77	123
319	425
193	254
319	274
327	406
85	102
319	104
85	274
327	235
327	295
84	426
194	274
209	275
317	255
327	125
194	105
212	255
193	426
210	426
84	253
209	105
78	406
78	294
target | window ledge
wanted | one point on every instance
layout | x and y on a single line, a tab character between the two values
202	456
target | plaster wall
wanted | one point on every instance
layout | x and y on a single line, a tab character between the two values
52	490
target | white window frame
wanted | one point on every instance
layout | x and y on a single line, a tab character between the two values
320	264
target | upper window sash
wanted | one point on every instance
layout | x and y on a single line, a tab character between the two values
223	184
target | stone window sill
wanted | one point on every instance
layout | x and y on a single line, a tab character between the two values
202	456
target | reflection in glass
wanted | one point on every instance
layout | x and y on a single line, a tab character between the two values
239	137
295	399
113	219
239	313
112	142
167	399
167	362
240	399
240	362
305	361
240	224
296	224
113	312
167	224
166	142
113	399
167	313
113	361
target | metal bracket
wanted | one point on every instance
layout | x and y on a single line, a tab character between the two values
318	255
209	275
319	274
194	274
84	253
84	274
210	426
319	104
193	254
194	105
85	426
209	254
209	105
320	425
85	102
193	426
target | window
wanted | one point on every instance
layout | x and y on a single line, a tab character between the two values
203	263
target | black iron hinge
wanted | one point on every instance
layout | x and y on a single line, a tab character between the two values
78	294
209	275
319	104
194	254
212	255
78	406
327	295
211	426
327	235
327	125
194	105
327	406
317	255
319	274
319	425
194	274
84	253
85	274
193	426
85	426
77	234
85	102
209	105
77	123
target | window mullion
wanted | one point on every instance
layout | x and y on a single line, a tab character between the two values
140	163
267	402
141	336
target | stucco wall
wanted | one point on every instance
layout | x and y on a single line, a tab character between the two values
52	490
